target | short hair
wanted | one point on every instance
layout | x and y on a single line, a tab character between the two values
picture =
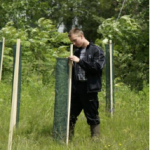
75	31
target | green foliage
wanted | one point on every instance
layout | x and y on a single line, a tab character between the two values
130	51
24	13
40	39
85	14
41	46
81	13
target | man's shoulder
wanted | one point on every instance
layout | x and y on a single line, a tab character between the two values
92	46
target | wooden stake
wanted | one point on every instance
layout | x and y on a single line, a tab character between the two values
14	96
2	58
111	79
69	93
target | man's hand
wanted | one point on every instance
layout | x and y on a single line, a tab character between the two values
74	58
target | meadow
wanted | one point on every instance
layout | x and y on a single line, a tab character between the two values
128	129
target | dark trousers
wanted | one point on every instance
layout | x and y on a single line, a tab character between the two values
81	100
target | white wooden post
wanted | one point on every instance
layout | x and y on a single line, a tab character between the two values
111	79
14	96
69	93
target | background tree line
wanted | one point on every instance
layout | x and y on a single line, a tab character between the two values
36	22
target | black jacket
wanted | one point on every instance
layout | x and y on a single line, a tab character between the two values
93	64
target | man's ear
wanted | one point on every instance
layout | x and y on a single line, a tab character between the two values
82	36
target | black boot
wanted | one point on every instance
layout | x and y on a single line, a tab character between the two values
95	130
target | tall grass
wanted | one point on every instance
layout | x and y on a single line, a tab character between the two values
127	130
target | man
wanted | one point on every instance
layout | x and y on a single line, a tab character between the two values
88	61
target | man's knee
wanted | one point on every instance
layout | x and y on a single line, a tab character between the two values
93	120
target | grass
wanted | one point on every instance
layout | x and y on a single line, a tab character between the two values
127	130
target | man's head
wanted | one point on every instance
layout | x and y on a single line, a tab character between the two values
76	36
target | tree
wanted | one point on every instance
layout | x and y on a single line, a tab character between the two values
131	53
85	14
41	46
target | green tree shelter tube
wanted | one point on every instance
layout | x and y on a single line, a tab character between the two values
1	43
1	56
109	78
61	100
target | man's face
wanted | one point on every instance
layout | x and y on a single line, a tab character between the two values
77	40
